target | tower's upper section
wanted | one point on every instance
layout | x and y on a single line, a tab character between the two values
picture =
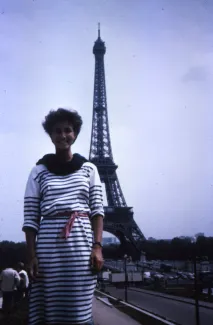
99	47
100	147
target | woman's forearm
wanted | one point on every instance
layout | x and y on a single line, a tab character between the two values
97	225
30	240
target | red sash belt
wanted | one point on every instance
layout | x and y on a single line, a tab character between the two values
68	226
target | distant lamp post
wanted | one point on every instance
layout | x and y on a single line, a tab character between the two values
126	258
197	313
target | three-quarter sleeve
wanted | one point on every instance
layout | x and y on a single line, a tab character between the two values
32	203
95	194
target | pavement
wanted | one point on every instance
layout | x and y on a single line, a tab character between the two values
105	315
176	311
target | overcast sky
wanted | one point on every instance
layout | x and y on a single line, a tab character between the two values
159	74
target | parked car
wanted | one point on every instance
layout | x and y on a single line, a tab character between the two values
191	276
157	275
171	277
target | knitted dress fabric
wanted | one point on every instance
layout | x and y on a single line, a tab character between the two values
63	291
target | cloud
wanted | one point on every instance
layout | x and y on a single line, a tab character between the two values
197	74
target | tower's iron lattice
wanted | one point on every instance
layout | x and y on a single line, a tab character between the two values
119	217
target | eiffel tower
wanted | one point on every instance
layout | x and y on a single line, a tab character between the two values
119	219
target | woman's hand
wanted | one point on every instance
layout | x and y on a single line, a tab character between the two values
97	259
32	268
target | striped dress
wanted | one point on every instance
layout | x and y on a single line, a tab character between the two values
64	289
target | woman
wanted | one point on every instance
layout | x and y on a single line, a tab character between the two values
64	189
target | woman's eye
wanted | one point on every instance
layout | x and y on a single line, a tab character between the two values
68	130
58	131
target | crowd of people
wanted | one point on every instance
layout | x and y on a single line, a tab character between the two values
14	285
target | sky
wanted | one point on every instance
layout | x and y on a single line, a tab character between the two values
159	74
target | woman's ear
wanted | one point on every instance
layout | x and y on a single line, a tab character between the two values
51	138
74	138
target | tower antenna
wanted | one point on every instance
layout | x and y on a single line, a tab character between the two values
99	30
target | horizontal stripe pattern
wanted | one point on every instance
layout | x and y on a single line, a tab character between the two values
65	286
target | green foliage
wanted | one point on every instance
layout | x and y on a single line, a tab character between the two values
176	249
11	253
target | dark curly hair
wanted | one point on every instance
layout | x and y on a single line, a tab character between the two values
62	115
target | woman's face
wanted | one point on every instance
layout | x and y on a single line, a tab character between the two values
63	135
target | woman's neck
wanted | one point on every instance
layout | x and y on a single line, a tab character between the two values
64	155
